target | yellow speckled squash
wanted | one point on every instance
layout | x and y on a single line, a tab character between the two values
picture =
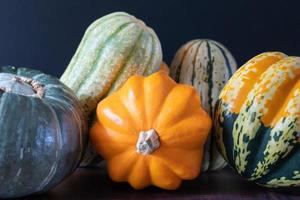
113	48
257	120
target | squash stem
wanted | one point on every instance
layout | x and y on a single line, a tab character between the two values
148	142
23	86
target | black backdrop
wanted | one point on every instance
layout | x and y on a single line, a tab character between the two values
44	34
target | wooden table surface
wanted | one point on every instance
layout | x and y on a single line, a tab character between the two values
92	184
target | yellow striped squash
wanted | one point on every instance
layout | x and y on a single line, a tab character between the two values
257	120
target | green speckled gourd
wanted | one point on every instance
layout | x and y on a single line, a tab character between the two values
207	65
42	132
258	120
113	48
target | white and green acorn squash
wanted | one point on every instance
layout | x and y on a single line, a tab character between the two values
207	65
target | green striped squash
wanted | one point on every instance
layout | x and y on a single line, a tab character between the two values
113	48
207	65
258	120
42	132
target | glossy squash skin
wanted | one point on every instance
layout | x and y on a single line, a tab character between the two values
151	132
257	120
42	132
207	65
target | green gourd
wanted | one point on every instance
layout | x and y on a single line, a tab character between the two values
42	132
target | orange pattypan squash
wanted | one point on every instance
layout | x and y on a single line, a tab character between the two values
151	132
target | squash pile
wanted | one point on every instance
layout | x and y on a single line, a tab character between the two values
153	125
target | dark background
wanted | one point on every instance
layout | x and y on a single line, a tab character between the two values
44	34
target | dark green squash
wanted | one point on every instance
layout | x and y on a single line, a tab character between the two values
42	132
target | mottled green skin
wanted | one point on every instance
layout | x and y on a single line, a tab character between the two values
283	172
41	139
112	49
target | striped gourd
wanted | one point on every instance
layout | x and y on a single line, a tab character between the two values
257	121
207	65
113	48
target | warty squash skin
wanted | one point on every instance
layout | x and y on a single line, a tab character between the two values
258	120
112	49
42	132
151	132
207	65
